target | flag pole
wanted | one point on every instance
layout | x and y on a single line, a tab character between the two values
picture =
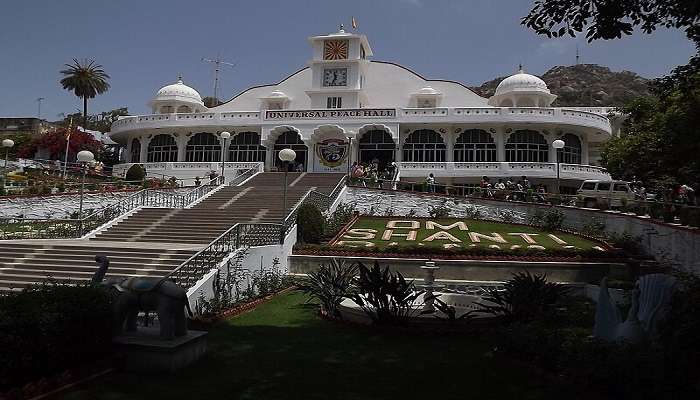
65	160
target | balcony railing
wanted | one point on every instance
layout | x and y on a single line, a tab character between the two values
535	169
593	117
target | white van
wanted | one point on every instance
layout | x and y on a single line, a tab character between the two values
597	193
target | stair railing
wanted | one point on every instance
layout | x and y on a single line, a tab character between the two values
46	228
245	235
238	236
322	201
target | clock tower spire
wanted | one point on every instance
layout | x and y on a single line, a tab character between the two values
338	69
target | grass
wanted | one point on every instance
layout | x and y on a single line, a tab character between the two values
282	350
379	224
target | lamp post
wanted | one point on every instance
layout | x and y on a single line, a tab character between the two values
558	145
348	157
224	136
285	155
7	144
84	157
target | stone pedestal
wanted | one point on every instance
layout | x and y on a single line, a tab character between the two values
144	351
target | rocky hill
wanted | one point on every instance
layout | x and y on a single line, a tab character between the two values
585	85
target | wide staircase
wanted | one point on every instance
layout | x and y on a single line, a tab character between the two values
154	241
260	200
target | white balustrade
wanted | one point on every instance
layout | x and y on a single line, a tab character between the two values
502	169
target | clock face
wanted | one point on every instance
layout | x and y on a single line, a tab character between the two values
335	77
335	50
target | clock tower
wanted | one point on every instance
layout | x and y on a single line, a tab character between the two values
338	70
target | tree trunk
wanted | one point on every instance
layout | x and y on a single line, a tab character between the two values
85	112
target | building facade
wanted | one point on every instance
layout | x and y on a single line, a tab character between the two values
344	108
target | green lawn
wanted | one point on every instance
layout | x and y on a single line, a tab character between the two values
282	350
374	230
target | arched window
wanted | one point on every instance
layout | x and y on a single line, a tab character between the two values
424	145
571	152
377	145
527	146
162	148
245	147
135	151
203	147
291	140
474	145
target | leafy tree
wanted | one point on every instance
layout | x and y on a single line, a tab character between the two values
610	19
86	79
660	141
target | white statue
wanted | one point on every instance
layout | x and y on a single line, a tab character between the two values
650	302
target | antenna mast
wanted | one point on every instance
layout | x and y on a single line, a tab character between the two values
217	68
39	100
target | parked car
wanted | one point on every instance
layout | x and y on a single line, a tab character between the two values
602	194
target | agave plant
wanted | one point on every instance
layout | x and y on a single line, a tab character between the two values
385	296
524	297
446	311
330	284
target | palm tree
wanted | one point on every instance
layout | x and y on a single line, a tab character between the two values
86	79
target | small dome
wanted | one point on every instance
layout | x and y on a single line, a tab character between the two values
521	82
178	91
428	91
276	94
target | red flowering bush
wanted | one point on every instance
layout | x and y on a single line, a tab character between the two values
55	143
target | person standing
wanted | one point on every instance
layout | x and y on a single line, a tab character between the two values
430	183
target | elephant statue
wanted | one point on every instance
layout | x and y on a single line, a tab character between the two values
135	294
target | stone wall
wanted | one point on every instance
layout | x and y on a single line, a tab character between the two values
62	206
666	242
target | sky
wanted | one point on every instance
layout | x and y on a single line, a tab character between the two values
145	44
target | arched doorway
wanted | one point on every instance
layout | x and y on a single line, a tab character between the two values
135	151
475	145
162	148
291	140
424	145
571	153
376	146
203	147
245	147
527	146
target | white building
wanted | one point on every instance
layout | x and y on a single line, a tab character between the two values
382	111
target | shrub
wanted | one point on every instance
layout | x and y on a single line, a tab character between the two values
625	241
310	224
594	228
135	173
385	296
439	211
61	187
49	328
338	219
330	284
551	220
524	297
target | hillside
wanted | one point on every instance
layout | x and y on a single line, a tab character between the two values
585	85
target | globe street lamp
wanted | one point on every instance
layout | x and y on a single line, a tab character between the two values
558	145
286	156
224	137
84	157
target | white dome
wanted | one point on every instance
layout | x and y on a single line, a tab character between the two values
178	91
521	82
277	94
428	91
